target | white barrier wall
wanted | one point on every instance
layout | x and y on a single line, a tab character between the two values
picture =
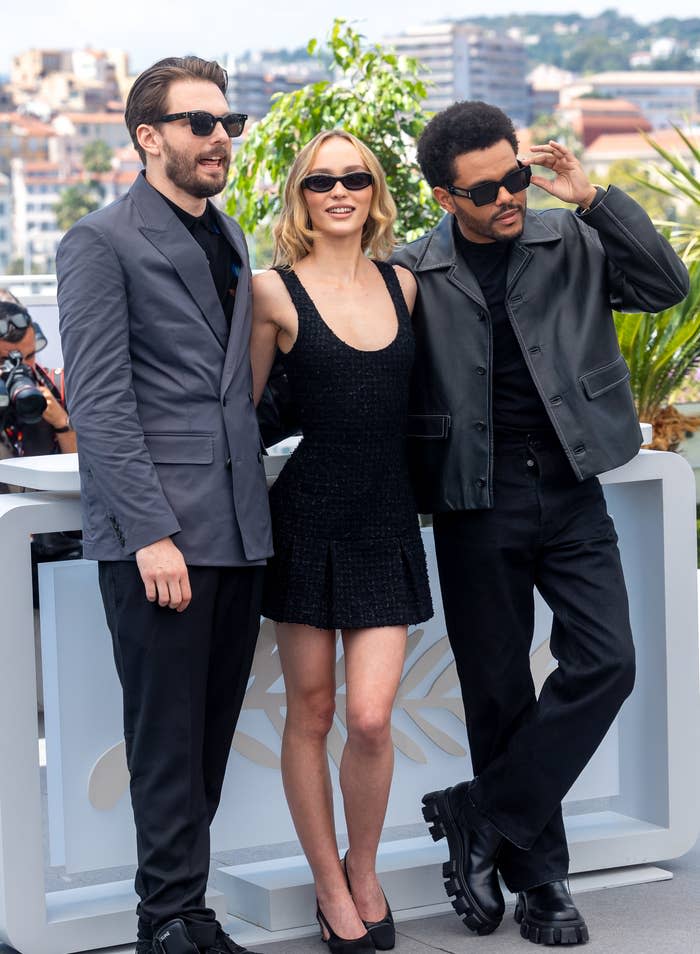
635	803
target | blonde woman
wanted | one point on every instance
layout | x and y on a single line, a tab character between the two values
348	553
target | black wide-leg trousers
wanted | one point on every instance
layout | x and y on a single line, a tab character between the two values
183	677
549	531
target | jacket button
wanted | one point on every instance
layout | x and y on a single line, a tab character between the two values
481	370
481	316
580	449
224	401
535	349
260	457
250	396
228	463
480	426
480	482
557	399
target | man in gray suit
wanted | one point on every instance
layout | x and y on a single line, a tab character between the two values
155	312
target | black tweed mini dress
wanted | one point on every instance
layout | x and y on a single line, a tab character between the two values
348	550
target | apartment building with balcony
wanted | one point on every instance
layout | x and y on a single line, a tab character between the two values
24	137
252	84
468	62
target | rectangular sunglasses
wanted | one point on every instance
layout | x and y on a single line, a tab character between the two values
203	123
487	192
321	182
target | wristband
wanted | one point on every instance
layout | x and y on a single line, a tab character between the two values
63	430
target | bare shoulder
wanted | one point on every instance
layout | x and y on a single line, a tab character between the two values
272	304
269	295
408	285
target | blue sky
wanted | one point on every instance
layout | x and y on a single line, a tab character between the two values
150	30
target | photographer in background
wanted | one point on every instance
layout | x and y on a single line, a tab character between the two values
33	422
46	431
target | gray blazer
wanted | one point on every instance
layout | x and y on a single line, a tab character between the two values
159	392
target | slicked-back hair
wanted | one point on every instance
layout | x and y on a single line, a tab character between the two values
463	127
148	97
293	233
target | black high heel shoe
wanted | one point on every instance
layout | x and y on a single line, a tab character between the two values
383	933
342	945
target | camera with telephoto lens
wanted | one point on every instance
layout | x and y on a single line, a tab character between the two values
19	393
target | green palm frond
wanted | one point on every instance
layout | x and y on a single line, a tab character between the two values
661	349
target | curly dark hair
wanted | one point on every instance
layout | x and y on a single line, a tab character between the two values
460	128
148	97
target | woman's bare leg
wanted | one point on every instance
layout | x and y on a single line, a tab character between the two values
373	665
308	660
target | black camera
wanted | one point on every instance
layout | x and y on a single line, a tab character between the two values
19	392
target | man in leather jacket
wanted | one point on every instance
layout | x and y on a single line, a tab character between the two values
520	398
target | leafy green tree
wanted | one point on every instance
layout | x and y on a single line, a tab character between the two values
377	96
97	156
73	203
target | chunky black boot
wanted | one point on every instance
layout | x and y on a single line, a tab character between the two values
547	915
471	878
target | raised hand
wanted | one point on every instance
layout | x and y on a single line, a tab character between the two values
571	183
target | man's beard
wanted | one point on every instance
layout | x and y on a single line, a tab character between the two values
183	173
489	228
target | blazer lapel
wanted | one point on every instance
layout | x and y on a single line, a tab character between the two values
239	335
167	233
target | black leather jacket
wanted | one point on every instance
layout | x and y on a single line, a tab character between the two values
566	272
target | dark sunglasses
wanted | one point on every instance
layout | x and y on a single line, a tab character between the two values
487	192
354	181
203	124
12	317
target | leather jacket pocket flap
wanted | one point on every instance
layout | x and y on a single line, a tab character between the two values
603	379
180	448
428	425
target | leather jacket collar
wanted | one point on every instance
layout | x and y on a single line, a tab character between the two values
441	252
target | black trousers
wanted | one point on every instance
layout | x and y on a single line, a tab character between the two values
549	531
183	678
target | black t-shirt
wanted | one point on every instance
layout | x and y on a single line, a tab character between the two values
224	261
516	401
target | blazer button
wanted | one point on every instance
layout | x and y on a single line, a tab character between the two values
228	463
557	399
480	482
260	457
535	349
480	426
481	370
481	316
250	396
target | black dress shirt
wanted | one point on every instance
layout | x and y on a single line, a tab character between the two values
224	261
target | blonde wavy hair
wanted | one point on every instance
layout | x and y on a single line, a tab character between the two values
293	234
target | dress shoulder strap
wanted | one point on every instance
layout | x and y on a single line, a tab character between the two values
394	288
296	290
